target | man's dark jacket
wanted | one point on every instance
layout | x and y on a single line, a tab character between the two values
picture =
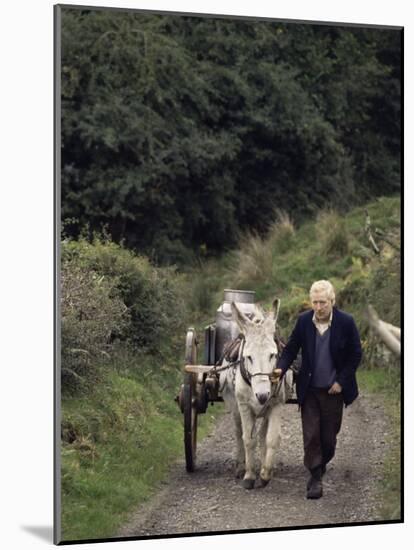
345	347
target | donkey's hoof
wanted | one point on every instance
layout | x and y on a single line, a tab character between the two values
263	482
248	483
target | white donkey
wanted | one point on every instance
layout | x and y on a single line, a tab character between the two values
248	390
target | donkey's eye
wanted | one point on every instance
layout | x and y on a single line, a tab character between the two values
272	356
249	357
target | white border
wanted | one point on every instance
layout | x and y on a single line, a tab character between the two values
27	277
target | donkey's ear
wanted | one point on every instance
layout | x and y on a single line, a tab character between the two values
240	318
270	323
276	307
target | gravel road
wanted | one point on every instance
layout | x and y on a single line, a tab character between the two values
212	499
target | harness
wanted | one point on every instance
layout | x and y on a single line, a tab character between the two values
235	349
246	375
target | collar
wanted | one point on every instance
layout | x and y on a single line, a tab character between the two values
322	326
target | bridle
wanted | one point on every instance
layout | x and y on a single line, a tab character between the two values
276	384
246	375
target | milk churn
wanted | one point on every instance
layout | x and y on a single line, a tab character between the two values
226	327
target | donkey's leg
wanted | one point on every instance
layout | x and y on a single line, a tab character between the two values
247	419
262	439
272	443
240	460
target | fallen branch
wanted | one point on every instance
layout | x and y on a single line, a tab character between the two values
381	235
395	331
388	333
66	370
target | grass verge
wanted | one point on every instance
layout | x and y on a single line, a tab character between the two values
118	445
385	384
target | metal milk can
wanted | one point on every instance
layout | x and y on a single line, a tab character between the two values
227	328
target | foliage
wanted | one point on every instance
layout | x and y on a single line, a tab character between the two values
332	234
256	257
281	232
92	313
335	247
204	290
180	132
109	296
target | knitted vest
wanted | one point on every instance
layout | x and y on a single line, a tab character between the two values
324	374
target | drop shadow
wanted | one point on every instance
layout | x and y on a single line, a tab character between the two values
44	532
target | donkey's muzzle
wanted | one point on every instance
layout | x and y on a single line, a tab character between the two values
262	397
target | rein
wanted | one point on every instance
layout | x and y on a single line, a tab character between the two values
274	393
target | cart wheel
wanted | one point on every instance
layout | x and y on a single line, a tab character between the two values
190	423
190	403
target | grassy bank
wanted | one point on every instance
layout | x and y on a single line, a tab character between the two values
288	259
118	445
123	337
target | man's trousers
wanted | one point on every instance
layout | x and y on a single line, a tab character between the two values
321	422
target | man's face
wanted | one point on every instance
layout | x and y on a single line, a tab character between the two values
321	305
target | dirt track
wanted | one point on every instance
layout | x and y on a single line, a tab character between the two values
211	499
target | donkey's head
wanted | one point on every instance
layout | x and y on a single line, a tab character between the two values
260	350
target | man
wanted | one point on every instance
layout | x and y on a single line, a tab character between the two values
331	353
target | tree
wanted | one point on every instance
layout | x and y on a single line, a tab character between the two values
178	132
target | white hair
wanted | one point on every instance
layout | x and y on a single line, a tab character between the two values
324	286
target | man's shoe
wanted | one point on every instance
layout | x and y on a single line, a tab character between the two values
315	489
317	473
314	485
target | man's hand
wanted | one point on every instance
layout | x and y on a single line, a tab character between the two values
335	388
276	375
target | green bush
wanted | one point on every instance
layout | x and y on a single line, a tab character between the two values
92	315
153	296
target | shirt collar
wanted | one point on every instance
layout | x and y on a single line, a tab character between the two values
317	323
